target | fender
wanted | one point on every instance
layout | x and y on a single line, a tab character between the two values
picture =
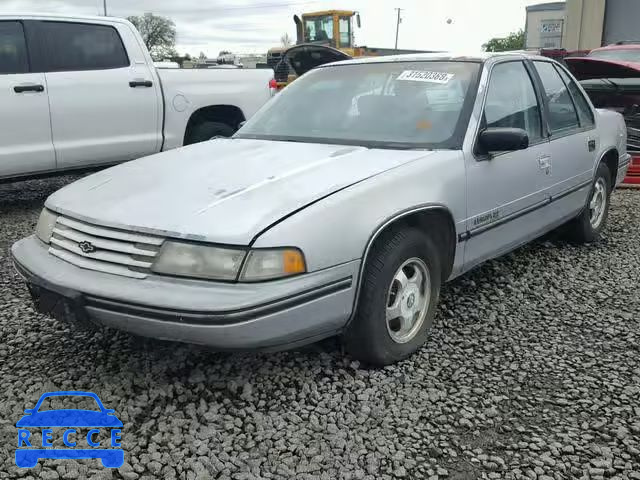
376	234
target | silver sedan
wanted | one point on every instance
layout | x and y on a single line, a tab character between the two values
339	209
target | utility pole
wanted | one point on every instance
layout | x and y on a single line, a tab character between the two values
104	7
398	25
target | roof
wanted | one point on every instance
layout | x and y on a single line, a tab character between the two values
545	7
441	56
55	16
614	46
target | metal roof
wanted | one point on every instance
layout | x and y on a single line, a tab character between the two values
545	7
443	56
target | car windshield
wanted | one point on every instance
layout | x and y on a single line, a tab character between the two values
392	105
619	54
75	402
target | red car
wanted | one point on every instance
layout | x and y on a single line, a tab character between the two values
611	77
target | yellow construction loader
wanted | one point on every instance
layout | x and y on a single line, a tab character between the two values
321	37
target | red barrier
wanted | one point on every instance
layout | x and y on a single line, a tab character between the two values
633	174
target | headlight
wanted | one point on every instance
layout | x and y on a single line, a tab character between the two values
197	260
46	223
271	264
218	263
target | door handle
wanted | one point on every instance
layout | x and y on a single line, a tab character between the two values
28	88
141	83
591	145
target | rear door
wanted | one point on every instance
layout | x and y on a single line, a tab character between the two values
104	99
573	142
25	129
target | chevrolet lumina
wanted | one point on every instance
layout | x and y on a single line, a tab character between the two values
339	209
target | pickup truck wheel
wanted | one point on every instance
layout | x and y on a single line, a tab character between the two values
398	300
208	130
586	228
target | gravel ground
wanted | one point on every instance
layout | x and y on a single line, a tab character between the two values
532	371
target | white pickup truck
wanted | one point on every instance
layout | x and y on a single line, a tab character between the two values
81	92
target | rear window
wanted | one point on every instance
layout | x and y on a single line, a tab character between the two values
79	46
13	49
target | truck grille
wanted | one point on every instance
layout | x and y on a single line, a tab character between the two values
104	249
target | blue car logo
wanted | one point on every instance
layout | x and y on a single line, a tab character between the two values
98	421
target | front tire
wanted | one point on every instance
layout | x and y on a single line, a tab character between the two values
398	299
587	227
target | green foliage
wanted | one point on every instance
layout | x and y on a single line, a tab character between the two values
514	41
158	34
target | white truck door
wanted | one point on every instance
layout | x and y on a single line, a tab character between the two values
25	129
104	98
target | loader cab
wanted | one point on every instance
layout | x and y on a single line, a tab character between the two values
332	28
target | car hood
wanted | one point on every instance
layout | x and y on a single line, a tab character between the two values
585	68
69	418
224	191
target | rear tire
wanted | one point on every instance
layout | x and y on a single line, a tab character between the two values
587	227
392	321
208	130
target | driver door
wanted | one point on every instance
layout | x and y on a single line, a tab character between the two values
506	191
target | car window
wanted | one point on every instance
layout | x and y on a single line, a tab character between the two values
78	46
403	104
584	110
562	112
511	100
13	49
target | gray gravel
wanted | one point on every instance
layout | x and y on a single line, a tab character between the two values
532	372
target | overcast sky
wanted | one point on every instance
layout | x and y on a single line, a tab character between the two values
253	26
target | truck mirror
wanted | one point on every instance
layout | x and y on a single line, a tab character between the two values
358	20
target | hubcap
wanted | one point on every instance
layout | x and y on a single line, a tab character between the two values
408	300
598	203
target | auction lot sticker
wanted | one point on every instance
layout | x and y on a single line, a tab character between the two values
422	76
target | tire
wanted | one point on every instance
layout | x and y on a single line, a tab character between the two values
587	227
371	337
207	130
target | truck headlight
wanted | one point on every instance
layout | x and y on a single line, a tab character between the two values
218	263
46	223
200	261
270	264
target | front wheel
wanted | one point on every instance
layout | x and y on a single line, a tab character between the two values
588	226
398	300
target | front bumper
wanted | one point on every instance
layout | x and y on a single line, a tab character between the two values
275	314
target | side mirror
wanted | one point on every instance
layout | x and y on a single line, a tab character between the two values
241	124
503	140
358	20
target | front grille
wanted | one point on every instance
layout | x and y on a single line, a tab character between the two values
115	251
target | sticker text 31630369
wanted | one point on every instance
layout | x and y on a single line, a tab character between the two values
423	76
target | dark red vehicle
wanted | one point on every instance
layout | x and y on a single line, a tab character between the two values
611	77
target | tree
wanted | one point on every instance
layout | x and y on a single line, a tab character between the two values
285	40
158	34
513	41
